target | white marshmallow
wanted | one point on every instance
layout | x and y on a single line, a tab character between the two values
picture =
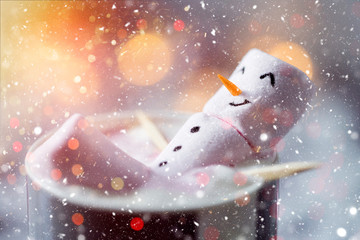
202	141
100	159
278	94
231	130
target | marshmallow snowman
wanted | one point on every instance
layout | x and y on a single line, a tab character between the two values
255	108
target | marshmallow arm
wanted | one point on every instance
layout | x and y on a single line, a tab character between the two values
100	160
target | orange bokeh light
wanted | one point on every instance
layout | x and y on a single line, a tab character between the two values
83	124
295	55
77	219
77	169
11	178
56	174
73	143
243	200
202	84
263	42
122	33
145	59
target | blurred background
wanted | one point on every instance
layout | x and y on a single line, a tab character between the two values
64	57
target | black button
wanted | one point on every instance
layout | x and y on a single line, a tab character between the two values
177	148
195	129
162	164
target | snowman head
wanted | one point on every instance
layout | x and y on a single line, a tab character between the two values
266	98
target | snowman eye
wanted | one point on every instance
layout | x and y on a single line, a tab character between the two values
163	163
272	78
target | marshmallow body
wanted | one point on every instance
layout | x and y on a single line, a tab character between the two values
202	141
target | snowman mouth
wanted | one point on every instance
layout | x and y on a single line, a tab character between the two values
239	104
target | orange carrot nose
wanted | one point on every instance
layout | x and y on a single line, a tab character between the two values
233	89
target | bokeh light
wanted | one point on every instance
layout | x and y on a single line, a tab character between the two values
211	233
240	179
137	224
141	24
276	237
295	55
117	183
202	179
179	25
11	178
17	146
262	42
56	174
297	21
201	85
243	199
14	123
63	57
77	219
145	59
82	124
122	33
77	169
341	232
73	143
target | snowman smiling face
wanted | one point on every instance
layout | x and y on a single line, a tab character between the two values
246	101
260	84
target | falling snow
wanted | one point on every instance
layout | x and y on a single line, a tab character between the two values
103	59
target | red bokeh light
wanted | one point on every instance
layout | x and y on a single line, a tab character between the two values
211	233
297	21
275	237
77	219
243	200
202	179
73	143
269	115
179	25
14	123
141	24
122	33
56	174
240	179
11	178
17	146
83	124
137	224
